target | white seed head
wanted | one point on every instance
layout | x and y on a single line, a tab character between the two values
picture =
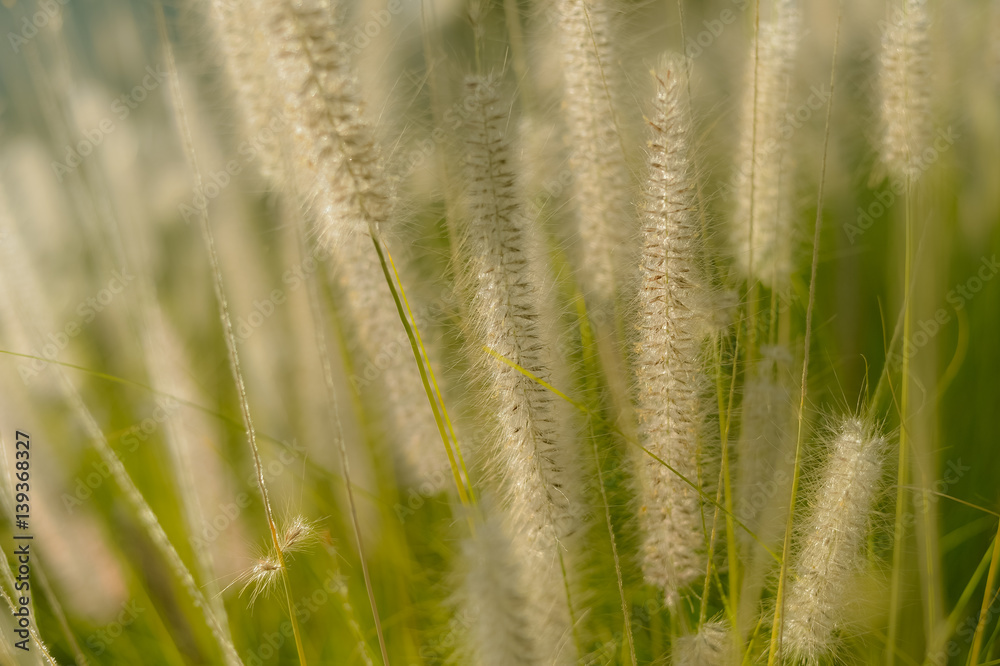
765	462
498	631
261	578
337	168
532	444
710	646
763	230
238	27
904	89
298	536
830	550
672	325
601	197
404	414
766	442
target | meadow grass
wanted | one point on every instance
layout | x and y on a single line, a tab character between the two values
500	333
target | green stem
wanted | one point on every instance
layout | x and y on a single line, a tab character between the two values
776	627
902	473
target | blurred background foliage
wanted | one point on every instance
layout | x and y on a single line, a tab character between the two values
106	594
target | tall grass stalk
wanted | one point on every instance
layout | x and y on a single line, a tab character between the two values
533	444
779	611
338	429
28	310
459	283
831	553
763	232
670	374
230	338
597	155
906	131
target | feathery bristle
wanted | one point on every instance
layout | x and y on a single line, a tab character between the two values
762	232
261	578
710	646
831	543
298	536
601	195
511	319
336	163
904	88
673	323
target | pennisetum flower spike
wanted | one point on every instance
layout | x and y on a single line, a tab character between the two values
335	166
673	322
237	27
497	631
765	444
904	90
762	230
711	645
764	470
601	194
510	318
830	551
336	162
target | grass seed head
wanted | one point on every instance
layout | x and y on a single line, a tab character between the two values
905	91
830	551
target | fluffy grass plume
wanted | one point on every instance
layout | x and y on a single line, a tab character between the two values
533	444
309	258
336	164
762	231
498	630
905	90
830	553
245	54
673	321
766	442
600	200
338	173
710	646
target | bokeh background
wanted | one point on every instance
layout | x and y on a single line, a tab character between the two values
109	325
